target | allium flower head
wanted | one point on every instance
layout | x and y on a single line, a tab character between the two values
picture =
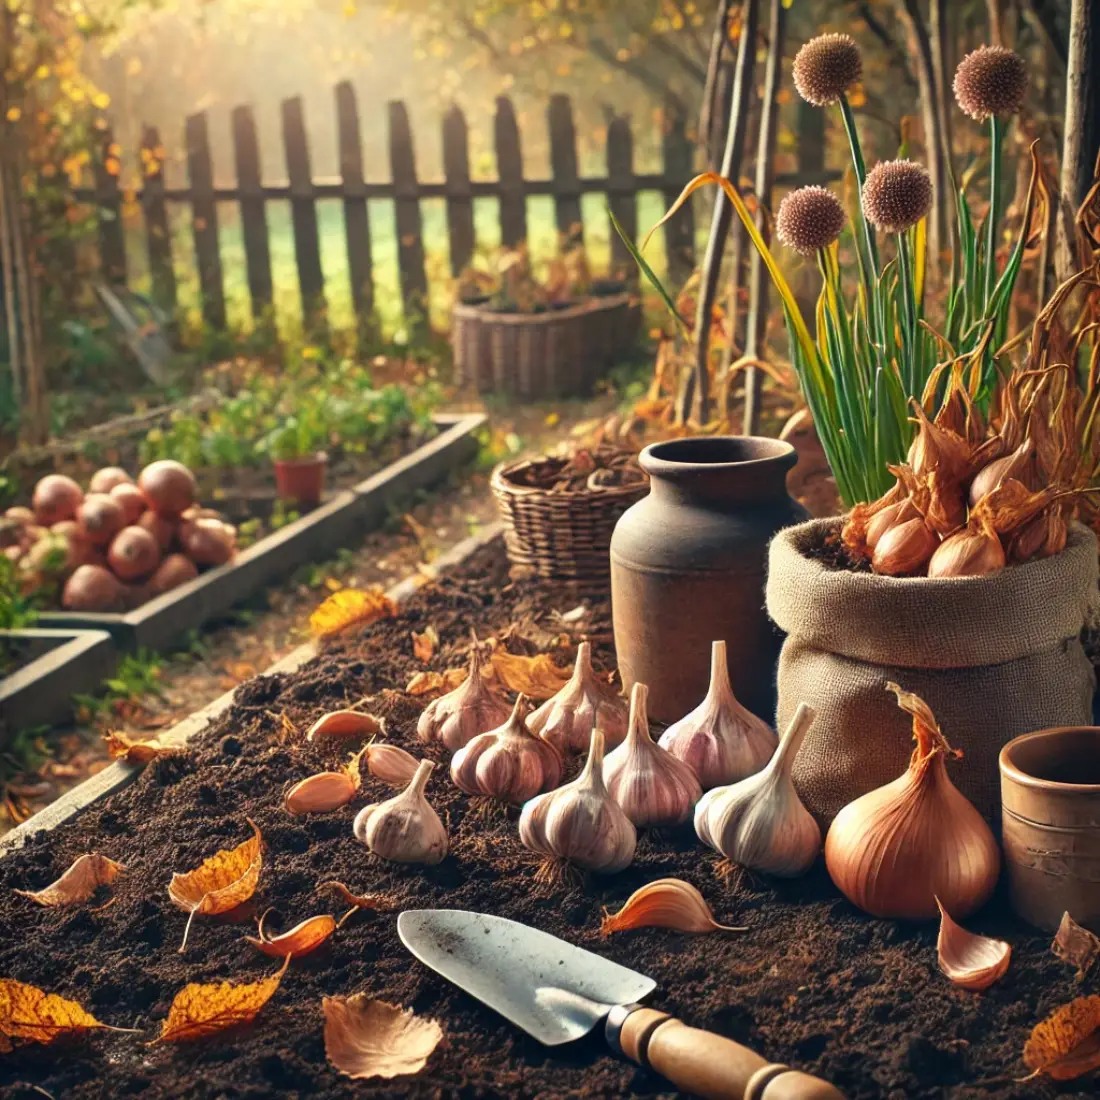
896	195
990	81
826	67
809	219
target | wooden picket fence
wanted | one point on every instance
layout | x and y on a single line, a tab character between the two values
511	189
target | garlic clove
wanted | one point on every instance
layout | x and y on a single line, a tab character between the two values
969	960
390	764
566	720
665	903
581	822
508	763
404	829
345	723
318	794
720	740
458	717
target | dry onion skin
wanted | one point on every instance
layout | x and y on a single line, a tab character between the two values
970	961
665	903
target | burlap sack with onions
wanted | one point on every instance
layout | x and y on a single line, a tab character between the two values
993	656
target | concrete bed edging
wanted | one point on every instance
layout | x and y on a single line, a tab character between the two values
118	775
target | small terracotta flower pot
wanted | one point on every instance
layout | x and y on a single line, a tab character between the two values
301	480
1050	799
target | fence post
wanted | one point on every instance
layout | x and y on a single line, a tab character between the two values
356	215
621	193
303	215
158	236
257	250
513	199
204	221
112	245
460	206
406	204
563	165
680	230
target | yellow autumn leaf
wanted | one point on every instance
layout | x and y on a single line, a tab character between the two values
122	747
222	882
369	1038
424	644
425	683
201	1009
86	874
536	677
350	607
1066	1045
26	1012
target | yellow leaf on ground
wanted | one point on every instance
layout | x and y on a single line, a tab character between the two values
224	881
1066	1045
350	607
299	940
78	883
122	747
424	644
26	1012
536	677
201	1009
369	1038
424	683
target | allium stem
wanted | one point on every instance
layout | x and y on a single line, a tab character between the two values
994	215
909	326
861	176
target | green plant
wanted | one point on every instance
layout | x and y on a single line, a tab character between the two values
508	283
18	611
137	676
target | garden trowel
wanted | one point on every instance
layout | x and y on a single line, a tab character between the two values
557	992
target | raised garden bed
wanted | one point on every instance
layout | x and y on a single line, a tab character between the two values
813	982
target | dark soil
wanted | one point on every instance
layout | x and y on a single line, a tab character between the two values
833	554
814	982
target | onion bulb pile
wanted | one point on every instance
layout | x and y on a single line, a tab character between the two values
118	544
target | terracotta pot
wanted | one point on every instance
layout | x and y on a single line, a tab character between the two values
688	565
1050	801
301	480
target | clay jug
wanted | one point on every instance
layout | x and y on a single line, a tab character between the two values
688	567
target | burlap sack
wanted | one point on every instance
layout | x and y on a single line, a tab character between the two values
993	657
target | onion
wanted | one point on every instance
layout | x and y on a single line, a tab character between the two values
904	548
51	556
169	487
161	528
900	512
176	569
131	499
133	553
103	481
206	542
92	588
56	497
101	518
975	551
19	514
11	533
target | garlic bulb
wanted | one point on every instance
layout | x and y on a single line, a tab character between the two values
567	719
509	762
581	822
894	850
405	828
760	823
720	740
651	785
459	716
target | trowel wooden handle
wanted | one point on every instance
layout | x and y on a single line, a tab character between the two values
705	1064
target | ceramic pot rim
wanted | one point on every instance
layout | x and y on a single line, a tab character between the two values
318	459
1010	770
658	459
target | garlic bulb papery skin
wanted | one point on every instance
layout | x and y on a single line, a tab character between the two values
760	822
567	719
720	740
651	785
404	829
509	762
894	850
459	716
581	822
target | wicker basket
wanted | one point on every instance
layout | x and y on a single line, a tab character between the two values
564	538
560	353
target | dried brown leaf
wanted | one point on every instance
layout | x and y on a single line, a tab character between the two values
1076	945
357	901
122	747
201	1009
26	1012
424	644
345	723
665	903
425	683
86	875
536	677
369	1038
350	607
299	940
1066	1045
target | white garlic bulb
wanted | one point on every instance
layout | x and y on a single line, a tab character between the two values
566	720
581	822
459	716
720	740
651	785
405	828
760	822
509	762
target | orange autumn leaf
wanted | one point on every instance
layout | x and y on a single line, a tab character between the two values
350	607
344	723
86	874
1066	1045
424	644
26	1012
369	1038
356	901
424	683
122	747
201	1009
299	940
536	677
222	882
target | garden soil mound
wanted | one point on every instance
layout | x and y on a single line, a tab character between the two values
813	982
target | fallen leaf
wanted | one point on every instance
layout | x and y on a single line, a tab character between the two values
122	747
78	883
299	940
26	1012
201	1009
356	901
369	1038
222	882
1066	1045
424	683
424	644
536	677
345	723
350	607
239	671
1076	945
